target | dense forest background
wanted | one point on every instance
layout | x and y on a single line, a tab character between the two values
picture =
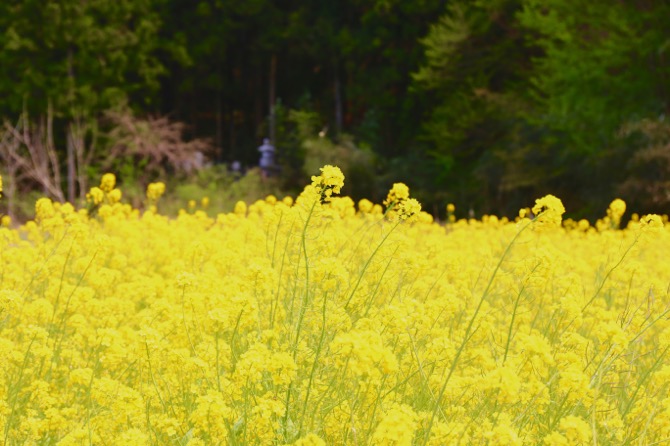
487	104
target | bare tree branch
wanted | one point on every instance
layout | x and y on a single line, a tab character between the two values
30	152
156	140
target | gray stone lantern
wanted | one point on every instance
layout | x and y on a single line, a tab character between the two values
267	161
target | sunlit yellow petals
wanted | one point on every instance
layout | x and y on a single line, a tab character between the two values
155	190
323	321
548	211
399	192
396	427
108	182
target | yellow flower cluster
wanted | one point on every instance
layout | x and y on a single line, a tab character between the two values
400	206
328	183
107	193
616	210
451	213
108	182
398	192
155	190
262	326
548	211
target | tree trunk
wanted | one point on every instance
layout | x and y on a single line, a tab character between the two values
337	91
258	101
273	97
10	192
71	165
218	139
8	152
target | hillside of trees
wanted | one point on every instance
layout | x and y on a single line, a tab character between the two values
482	103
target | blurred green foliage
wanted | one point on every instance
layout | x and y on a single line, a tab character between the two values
220	188
531	97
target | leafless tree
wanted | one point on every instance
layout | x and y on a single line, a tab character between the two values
156	140
649	168
28	152
82	143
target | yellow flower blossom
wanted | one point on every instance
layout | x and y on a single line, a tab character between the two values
9	302
310	440
155	190
408	208
262	326
95	195
114	196
399	192
328	183
652	222
44	209
575	430
615	211
108	182
548	211
396	427
365	206
240	208
401	207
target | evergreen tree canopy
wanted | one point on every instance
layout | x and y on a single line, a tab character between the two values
484	103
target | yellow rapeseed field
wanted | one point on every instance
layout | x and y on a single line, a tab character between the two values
322	321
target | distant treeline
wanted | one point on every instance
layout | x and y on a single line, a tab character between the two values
484	103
